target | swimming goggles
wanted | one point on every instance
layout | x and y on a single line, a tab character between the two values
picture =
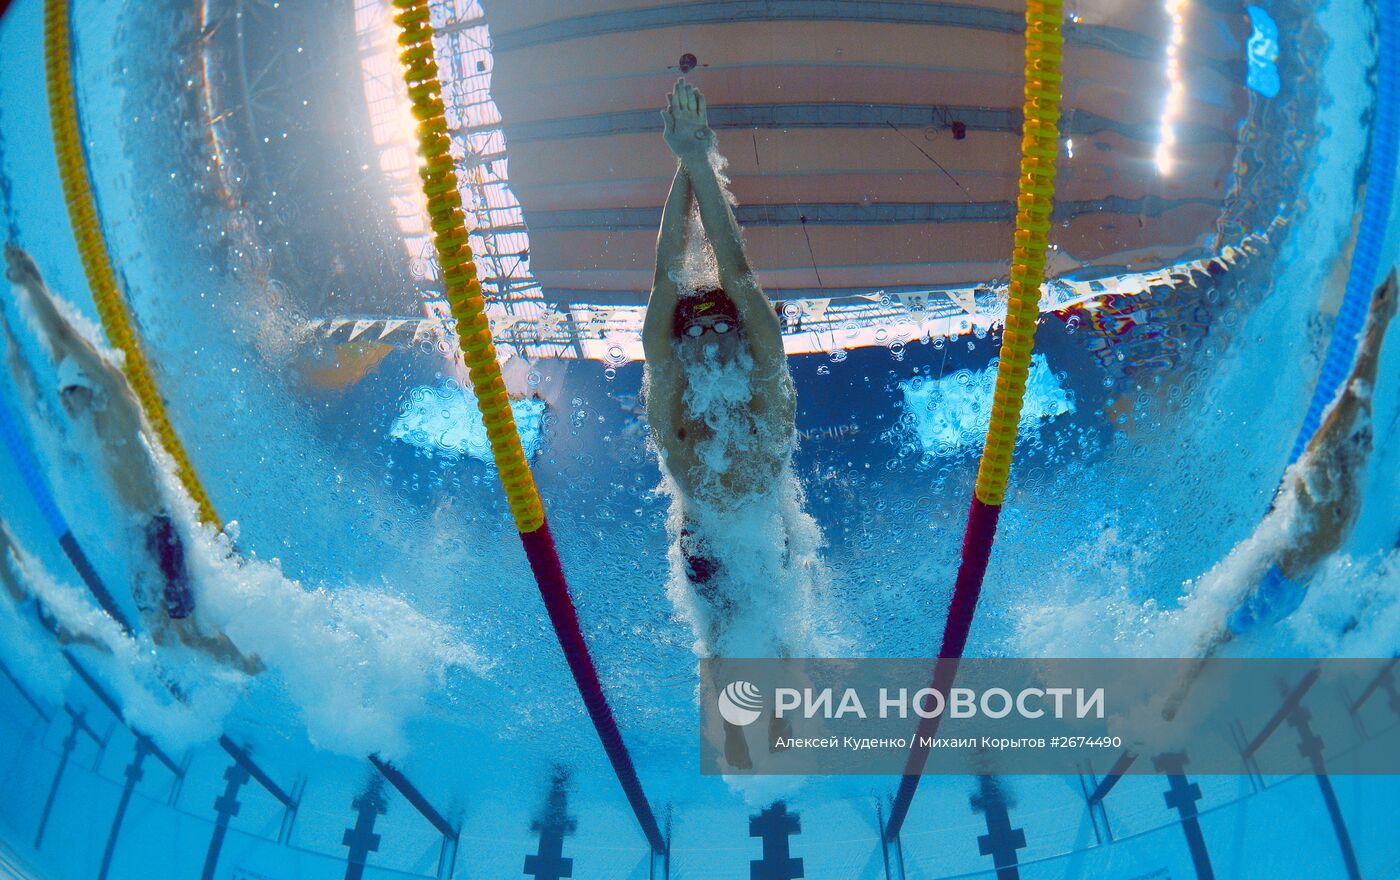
696	330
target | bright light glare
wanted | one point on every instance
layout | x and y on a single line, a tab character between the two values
1176	89
391	124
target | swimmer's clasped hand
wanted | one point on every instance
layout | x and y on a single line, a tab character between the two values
687	130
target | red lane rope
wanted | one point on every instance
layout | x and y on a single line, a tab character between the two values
549	574
981	530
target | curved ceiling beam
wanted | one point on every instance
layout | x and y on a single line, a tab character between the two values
844	115
842	214
1110	39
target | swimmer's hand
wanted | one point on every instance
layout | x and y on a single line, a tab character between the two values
1384	302
687	132
19	266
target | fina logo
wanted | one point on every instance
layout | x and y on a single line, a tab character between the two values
740	703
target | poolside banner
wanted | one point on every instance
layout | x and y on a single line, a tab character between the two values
1004	716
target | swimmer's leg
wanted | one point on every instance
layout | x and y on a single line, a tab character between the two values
736	748
168	552
778	729
703	573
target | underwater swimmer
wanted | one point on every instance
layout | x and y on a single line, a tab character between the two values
721	448
1325	485
94	392
685	332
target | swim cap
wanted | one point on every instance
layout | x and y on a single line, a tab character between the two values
711	302
70	375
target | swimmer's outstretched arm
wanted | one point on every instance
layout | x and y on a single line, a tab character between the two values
772	383
694	141
59	335
670	251
1361	383
1382	310
63	340
664	385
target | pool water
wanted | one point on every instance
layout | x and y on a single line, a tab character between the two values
252	167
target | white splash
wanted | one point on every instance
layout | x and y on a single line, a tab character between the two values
447	420
358	663
173	694
951	413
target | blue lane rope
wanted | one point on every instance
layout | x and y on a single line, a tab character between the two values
29	468
7	189
1370	238
33	479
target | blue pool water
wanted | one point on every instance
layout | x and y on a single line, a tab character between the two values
370	562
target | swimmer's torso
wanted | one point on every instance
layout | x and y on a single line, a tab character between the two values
752	461
739	441
121	431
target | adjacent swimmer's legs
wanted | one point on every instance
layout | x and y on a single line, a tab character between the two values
736	748
779	729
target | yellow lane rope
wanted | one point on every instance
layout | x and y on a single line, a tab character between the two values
440	185
97	264
1039	145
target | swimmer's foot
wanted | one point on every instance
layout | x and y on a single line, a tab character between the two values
223	649
736	748
779	731
220	648
248	664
